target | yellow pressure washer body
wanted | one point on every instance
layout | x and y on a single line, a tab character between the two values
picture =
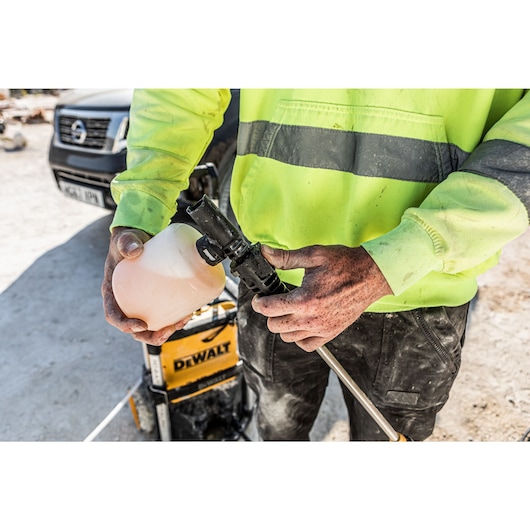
193	386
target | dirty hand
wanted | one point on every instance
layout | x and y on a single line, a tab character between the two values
339	284
128	243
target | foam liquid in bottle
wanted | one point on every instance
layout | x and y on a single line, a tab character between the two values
169	280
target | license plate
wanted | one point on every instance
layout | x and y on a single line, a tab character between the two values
80	193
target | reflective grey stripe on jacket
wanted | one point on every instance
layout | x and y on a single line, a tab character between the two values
506	162
362	154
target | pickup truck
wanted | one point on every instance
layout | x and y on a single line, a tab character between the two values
89	148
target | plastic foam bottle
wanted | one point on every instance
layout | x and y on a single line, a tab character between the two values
169	280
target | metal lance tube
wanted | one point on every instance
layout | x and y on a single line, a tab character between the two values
361	397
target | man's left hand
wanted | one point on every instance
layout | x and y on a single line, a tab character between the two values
339	284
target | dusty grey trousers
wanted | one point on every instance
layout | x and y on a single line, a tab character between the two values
405	362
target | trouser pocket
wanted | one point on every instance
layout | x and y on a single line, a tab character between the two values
420	358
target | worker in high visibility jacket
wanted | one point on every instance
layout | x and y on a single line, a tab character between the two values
381	207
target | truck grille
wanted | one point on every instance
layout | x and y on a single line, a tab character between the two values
96	131
83	178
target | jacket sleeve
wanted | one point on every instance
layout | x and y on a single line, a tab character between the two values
169	132
465	221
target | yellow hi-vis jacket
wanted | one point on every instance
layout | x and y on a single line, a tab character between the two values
432	183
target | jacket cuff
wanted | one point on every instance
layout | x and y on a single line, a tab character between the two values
404	255
137	209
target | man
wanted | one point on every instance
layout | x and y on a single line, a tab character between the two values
379	207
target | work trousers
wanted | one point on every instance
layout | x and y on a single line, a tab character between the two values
405	362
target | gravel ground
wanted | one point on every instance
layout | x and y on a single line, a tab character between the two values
65	369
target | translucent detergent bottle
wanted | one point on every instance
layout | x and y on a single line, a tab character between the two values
169	280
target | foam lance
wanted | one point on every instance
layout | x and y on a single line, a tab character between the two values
222	239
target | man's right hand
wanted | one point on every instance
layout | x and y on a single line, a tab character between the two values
128	243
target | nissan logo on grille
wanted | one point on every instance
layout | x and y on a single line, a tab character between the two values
78	132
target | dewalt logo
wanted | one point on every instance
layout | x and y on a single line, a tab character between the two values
201	356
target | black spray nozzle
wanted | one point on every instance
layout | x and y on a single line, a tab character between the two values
222	239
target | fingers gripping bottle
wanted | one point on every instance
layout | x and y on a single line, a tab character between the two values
168	281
